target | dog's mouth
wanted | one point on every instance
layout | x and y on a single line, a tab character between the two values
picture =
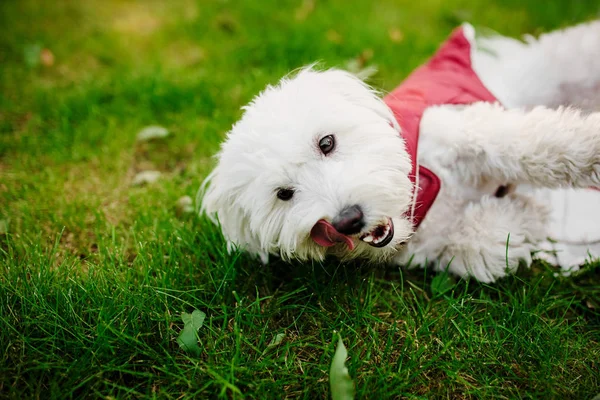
324	234
380	236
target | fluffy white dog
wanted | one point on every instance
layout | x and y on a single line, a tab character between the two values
471	165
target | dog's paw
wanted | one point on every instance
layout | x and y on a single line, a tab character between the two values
487	263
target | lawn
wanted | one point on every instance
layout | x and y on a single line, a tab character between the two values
95	271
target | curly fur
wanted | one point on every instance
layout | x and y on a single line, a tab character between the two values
473	149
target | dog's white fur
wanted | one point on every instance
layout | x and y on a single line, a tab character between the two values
473	149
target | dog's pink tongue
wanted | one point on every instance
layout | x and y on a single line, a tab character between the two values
324	234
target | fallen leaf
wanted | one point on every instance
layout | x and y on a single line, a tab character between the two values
276	341
145	177
395	35
188	338
352	65
358	66
46	58
185	205
152	132
588	303
342	387
305	9
366	55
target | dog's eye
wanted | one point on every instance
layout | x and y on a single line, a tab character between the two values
327	144
285	194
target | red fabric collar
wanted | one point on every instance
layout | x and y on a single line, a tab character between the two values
447	78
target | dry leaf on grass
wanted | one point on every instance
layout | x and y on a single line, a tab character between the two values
185	205
152	132
395	35
145	177
305	9
358	66
276	341
46	58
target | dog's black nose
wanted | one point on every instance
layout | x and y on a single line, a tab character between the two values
349	221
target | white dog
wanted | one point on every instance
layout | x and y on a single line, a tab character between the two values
471	174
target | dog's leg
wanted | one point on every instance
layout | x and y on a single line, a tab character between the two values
486	240
542	147
557	68
574	228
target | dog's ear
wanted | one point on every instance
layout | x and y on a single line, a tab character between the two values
357	92
220	205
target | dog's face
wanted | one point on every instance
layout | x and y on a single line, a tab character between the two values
315	166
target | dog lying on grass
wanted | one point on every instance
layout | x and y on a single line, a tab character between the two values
484	156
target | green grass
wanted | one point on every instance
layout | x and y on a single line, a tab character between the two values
95	273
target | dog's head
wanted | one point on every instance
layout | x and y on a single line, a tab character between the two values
315	166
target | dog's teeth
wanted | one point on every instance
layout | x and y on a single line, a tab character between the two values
376	239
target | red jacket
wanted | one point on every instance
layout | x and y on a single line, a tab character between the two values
447	78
